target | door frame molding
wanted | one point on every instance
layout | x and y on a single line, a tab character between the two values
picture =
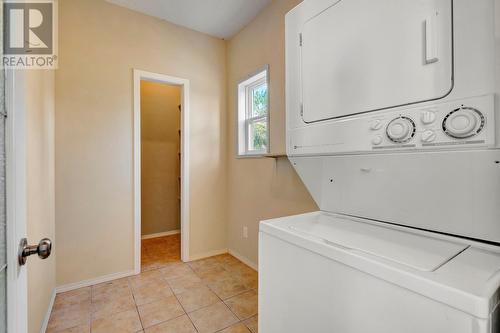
16	199
139	76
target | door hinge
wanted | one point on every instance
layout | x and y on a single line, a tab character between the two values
300	39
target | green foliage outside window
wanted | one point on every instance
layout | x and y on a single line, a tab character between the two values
260	101
260	136
258	132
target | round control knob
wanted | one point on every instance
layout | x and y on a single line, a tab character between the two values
463	123
428	136
376	124
401	130
377	140
428	117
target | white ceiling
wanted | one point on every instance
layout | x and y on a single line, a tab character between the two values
219	18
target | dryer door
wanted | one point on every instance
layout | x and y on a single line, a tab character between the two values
365	55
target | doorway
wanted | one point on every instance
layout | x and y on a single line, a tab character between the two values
161	159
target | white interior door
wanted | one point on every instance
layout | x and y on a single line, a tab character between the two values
3	214
364	55
13	301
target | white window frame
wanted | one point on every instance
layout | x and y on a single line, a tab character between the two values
244	119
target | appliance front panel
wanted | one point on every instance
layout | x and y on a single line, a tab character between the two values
460	124
301	291
346	79
450	192
364	55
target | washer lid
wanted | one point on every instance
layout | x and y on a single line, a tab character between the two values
403	247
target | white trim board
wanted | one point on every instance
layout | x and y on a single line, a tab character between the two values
91	282
45	322
184	84
161	234
244	259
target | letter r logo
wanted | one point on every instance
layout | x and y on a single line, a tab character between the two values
28	27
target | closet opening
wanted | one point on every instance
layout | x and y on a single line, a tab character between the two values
160	175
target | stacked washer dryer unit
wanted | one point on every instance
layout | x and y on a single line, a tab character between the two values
392	114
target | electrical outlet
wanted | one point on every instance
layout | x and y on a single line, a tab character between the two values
245	232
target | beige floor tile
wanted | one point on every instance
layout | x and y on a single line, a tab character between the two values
111	293
127	321
239	268
78	329
176	270
238	328
68	317
214	274
73	297
112	297
160	311
149	264
226	258
185	283
204	264
252	324
112	305
105	306
247	273
228	288
164	260
110	285
152	292
213	318
250	281
180	324
197	298
144	279
244	305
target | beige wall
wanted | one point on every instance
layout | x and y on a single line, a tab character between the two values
40	190
261	188
160	167
99	45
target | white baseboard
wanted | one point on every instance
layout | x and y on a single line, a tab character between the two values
45	322
207	254
244	259
91	282
161	234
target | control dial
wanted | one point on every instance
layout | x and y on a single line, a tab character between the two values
401	130
463	123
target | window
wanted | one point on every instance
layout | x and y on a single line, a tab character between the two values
253	115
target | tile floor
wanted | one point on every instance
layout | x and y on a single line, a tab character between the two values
217	294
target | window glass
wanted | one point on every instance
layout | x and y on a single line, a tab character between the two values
259	101
258	135
253	115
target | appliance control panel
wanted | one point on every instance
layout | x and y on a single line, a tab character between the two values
458	124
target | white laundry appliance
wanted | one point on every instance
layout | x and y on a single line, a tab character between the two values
392	124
